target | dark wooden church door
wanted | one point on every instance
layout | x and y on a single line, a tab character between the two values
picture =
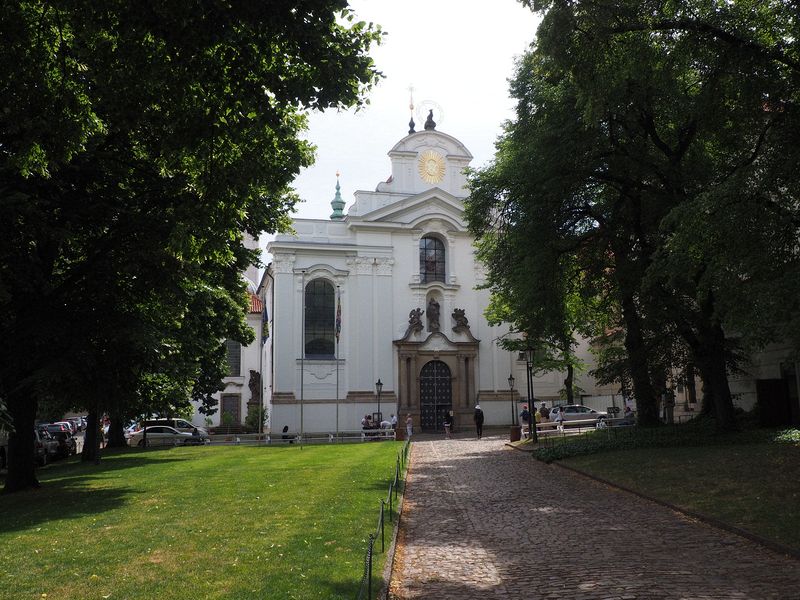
435	393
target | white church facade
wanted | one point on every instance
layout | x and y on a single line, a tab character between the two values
387	292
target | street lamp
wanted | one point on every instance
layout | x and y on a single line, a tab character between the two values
529	356
379	388
511	395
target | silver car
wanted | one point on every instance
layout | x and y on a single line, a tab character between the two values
578	412
162	435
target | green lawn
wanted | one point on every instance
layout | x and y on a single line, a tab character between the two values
754	486
208	522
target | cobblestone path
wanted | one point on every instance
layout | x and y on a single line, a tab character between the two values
485	521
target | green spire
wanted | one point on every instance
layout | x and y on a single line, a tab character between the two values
337	203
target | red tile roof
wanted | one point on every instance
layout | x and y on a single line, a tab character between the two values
256	305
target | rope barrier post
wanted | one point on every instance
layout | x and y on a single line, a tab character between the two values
382	528
369	565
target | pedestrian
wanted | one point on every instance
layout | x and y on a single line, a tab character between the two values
478	420
544	411
525	418
560	421
409	426
448	424
393	421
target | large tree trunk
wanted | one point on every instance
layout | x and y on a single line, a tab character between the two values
710	360
91	439
21	453
568	384
646	399
116	432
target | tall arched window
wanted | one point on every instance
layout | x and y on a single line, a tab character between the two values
431	260
320	319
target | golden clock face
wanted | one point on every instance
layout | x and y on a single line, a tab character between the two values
431	166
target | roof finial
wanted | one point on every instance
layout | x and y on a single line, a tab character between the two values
337	203
411	108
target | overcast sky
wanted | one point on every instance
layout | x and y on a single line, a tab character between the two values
457	53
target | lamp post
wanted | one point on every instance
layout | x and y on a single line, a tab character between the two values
529	356
379	388
515	432
511	396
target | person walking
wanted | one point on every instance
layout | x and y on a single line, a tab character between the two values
560	420
525	418
409	426
478	420
448	424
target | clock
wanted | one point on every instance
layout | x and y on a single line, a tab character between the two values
431	166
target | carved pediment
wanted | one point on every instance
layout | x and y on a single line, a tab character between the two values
437	342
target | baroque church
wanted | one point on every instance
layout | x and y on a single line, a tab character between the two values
386	292
379	311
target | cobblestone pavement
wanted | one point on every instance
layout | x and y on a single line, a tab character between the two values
482	520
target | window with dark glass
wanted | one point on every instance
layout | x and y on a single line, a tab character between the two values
320	319
234	351
431	259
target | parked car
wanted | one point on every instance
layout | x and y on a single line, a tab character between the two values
77	423
67	445
179	424
49	442
40	446
53	427
70	426
162	435
577	412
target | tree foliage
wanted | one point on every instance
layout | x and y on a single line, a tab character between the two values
655	147
139	142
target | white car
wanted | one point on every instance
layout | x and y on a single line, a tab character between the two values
577	412
161	435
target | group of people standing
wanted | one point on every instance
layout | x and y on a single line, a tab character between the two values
369	423
541	415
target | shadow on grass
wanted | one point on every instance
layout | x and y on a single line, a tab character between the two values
57	501
66	489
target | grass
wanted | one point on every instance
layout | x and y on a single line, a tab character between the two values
207	522
749	479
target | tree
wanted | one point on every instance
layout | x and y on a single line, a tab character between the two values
652	145
138	143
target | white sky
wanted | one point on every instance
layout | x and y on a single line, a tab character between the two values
458	53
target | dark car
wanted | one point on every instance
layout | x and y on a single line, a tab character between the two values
52	427
67	446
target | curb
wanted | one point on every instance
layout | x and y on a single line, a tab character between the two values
388	567
771	545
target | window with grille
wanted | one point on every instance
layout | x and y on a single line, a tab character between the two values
234	351
431	260
320	319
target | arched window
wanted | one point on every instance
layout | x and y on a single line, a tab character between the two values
320	319
431	260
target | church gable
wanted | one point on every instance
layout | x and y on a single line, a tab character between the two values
412	211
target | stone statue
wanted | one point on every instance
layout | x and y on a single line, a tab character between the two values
255	386
415	320
433	315
461	320
430	124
